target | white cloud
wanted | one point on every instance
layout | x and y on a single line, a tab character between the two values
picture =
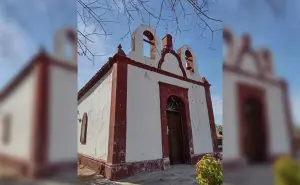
16	47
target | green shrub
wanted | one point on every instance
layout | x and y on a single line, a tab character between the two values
209	171
287	171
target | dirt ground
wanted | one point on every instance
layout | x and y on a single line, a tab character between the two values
177	175
250	175
10	177
185	175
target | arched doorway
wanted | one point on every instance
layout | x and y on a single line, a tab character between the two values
254	134
176	130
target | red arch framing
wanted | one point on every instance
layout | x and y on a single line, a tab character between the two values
162	59
167	90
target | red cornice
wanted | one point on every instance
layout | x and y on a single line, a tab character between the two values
237	70
41	56
118	58
102	72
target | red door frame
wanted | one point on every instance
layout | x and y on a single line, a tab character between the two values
167	90
245	91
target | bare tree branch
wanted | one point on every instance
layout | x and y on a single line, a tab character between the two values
175	15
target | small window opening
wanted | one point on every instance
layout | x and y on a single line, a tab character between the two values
6	135
149	45
84	125
189	59
173	104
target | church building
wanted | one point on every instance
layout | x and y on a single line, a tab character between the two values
37	109
142	114
257	116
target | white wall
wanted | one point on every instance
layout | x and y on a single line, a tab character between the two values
62	115
137	46
278	138
96	103
171	64
20	105
143	137
249	64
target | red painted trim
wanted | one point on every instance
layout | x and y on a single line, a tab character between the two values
107	66
117	172
261	78
18	79
39	139
166	73
277	82
116	167
118	115
167	90
171	51
38	165
100	74
211	118
245	91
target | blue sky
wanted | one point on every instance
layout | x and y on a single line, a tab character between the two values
209	60
27	25
279	33
30	24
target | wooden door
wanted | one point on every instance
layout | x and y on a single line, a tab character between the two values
175	138
255	136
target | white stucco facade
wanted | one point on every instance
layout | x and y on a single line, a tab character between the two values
19	105
96	103
143	101
63	98
143	121
62	111
277	127
252	67
143	115
41	104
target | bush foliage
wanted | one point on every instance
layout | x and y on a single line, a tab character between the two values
209	170
287	171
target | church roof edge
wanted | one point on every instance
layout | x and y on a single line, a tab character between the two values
41	55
